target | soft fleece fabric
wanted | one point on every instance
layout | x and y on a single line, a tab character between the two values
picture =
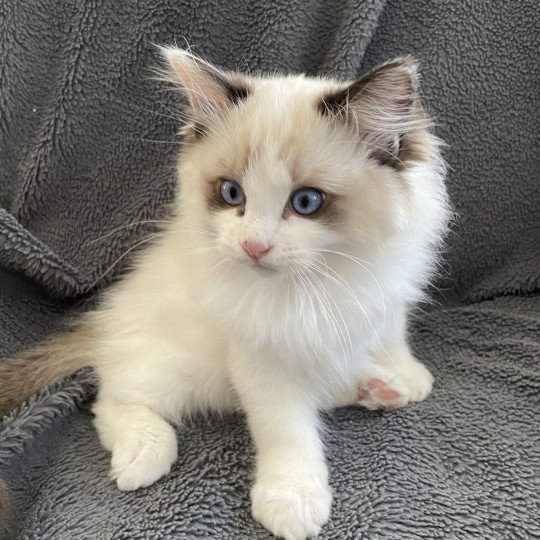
79	114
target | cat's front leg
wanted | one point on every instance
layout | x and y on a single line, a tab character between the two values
290	496
142	443
146	382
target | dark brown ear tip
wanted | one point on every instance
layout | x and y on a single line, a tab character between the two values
408	65
405	68
409	61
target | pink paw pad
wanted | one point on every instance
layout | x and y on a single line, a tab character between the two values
377	394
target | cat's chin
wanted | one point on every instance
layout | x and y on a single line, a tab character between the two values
263	267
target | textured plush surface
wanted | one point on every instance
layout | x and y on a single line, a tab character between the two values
79	115
462	465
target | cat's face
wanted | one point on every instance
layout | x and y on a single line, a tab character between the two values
278	170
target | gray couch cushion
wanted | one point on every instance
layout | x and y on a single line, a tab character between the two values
79	117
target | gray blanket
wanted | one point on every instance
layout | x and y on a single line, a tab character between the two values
79	120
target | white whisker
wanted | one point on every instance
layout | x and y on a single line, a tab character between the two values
342	329
341	283
153	237
362	264
118	229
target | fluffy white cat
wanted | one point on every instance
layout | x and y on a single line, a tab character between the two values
308	219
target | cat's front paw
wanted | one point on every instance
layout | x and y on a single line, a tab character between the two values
138	461
381	388
392	387
292	510
418	380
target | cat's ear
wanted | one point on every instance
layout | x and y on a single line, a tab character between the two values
208	89
380	107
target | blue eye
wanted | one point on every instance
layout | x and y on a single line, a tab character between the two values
232	193
307	201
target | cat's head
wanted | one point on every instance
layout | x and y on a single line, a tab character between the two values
283	170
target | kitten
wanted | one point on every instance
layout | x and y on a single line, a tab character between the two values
307	222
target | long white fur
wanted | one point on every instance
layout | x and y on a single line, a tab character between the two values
198	327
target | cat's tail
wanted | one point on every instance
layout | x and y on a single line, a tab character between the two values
28	372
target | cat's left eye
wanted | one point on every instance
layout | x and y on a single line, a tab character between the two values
307	201
232	192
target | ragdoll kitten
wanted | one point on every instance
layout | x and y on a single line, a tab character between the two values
308	217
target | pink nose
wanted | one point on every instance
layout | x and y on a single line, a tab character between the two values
256	250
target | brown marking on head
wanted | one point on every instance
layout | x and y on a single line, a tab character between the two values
213	196
413	149
390	79
214	199
209	90
329	213
236	88
194	131
382	109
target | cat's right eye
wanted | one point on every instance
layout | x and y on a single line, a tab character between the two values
307	201
232	192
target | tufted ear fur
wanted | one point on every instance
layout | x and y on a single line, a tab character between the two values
208	89
380	108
